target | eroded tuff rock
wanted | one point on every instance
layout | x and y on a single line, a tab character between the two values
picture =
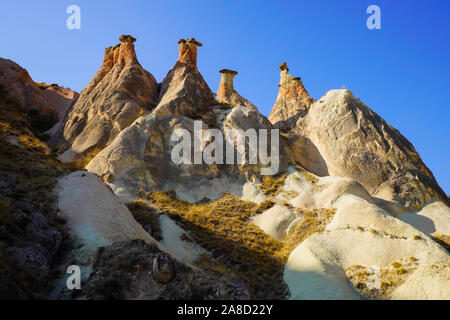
226	93
111	101
354	233
293	100
126	270
95	218
17	82
341	136
183	90
140	157
361	234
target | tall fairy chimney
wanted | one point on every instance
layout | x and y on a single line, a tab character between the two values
188	51
226	88
122	53
293	99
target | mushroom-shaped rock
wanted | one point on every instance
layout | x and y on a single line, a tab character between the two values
292	102
226	93
127	38
188	51
226	88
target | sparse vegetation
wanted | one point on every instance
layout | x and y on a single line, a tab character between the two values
43	85
263	206
147	216
33	172
237	247
312	221
271	184
379	284
309	177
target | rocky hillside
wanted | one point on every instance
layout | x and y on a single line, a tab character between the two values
325	201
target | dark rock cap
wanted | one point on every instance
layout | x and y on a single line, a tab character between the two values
127	38
191	40
228	71
283	66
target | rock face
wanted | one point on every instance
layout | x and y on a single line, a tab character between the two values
141	156
341	136
95	218
59	98
126	270
113	99
358	235
293	100
183	90
16	81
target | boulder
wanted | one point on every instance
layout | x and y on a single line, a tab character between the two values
341	136
126	270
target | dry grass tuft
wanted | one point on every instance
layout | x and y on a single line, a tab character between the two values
263	206
380	284
34	169
312	221
147	216
271	185
238	247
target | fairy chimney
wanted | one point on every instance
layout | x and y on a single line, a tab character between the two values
188	51
226	85
293	99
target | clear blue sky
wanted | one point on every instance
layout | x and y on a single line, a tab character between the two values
401	71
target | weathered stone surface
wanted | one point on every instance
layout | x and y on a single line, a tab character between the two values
341	136
16	81
38	230
293	100
125	270
363	234
95	218
275	221
226	93
226	87
140	157
35	259
184	91
110	102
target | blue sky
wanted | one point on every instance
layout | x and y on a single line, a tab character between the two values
401	71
